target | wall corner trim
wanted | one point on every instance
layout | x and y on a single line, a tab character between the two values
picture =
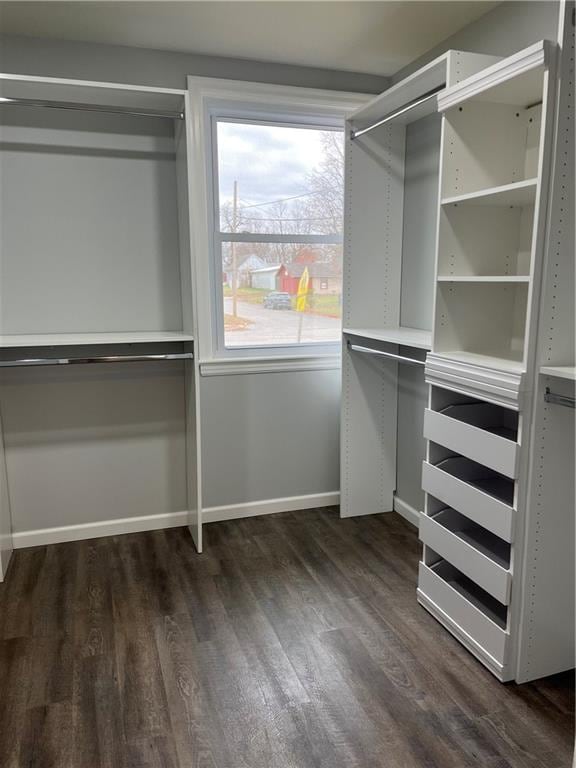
408	512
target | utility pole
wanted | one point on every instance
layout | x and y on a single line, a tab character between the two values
233	252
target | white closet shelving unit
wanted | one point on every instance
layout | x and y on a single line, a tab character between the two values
498	527
379	244
497	351
96	267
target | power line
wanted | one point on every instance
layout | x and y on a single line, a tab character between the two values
282	200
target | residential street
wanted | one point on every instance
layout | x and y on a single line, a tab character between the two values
273	325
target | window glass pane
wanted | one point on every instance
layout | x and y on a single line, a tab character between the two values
281	293
279	179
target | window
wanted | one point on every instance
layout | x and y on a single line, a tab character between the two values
278	211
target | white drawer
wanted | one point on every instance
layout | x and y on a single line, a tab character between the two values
487	448
484	509
445	534
469	620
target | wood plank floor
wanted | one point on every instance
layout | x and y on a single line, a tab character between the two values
295	641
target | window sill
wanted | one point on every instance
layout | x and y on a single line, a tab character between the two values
247	365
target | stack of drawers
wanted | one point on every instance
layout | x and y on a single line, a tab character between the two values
467	528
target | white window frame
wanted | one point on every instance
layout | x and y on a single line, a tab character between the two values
213	99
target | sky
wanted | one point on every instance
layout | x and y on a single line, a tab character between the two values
269	162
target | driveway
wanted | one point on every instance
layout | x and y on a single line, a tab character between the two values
279	326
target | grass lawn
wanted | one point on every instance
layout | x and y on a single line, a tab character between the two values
326	305
251	295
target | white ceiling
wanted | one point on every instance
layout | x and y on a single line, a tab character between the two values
373	37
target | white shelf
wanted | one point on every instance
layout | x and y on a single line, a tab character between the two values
515	80
406	337
560	371
484	278
68	339
91	92
485	361
519	193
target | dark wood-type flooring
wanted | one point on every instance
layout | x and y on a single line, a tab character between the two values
295	641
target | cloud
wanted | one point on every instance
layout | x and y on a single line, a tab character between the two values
268	162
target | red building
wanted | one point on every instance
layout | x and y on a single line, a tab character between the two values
324	278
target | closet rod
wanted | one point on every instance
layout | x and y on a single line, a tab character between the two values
91	108
556	399
89	360
389	355
406	108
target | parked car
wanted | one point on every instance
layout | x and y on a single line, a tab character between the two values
277	300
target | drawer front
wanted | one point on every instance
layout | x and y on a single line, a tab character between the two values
477	444
471	502
477	566
491	638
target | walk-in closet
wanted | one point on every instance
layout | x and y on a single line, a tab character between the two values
287	384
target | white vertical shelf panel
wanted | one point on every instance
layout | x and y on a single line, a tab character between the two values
547	621
191	368
372	264
546	627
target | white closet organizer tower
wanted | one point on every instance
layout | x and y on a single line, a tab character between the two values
95	267
392	148
498	528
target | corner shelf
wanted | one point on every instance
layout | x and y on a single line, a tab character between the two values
405	337
70	339
519	193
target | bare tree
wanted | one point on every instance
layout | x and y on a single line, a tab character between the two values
318	211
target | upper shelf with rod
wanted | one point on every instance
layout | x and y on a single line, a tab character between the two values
417	95
59	93
8	341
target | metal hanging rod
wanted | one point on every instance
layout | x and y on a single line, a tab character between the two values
91	108
556	399
393	115
389	355
29	362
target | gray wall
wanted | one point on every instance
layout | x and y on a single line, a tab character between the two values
92	443
270	436
95	195
117	63
502	31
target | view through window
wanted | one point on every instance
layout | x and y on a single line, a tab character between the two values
281	192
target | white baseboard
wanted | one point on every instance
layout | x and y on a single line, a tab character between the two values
408	512
58	535
270	506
